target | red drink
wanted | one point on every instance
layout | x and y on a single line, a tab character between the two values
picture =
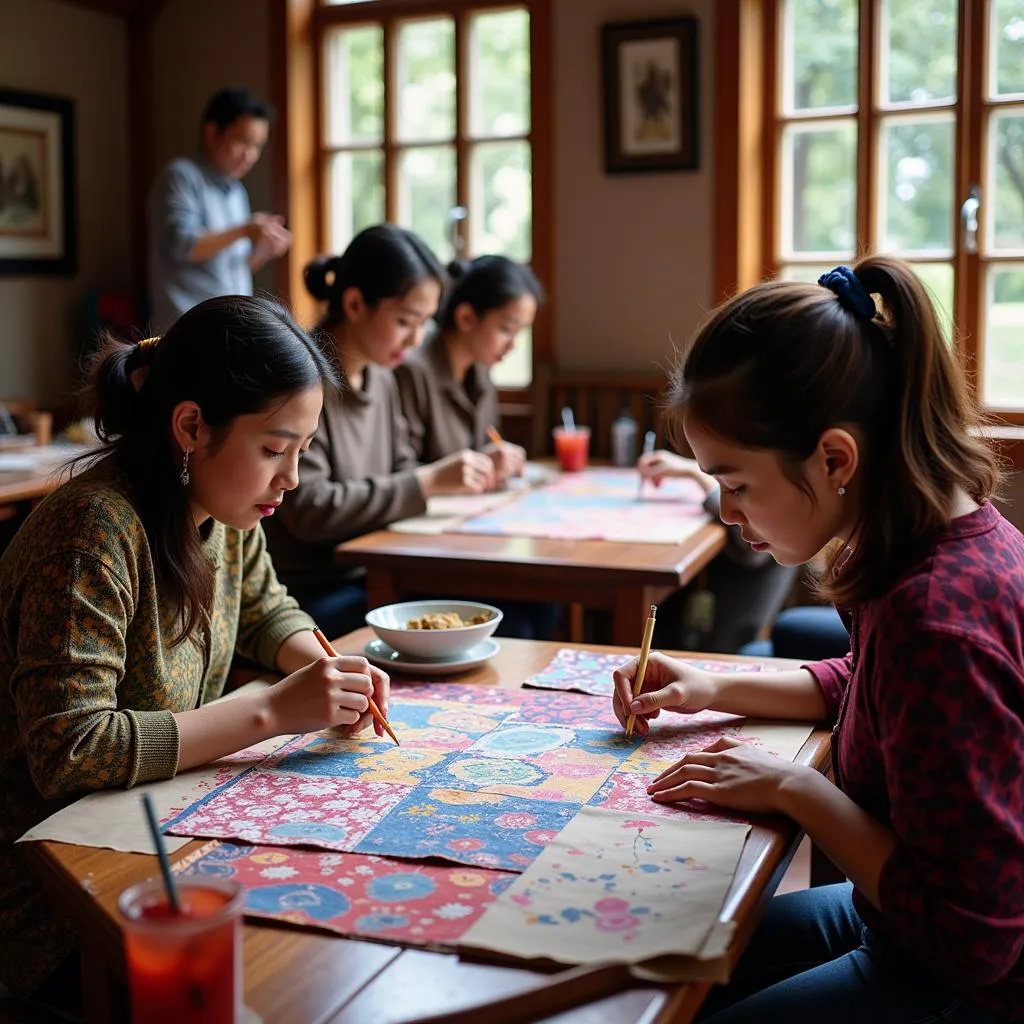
572	448
185	966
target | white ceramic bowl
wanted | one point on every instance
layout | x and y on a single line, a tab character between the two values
389	623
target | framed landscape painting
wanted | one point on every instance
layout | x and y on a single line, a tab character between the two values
650	71
37	187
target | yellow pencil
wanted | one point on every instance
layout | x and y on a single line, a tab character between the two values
641	669
492	433
374	710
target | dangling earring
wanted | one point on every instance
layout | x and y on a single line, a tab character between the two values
184	469
841	491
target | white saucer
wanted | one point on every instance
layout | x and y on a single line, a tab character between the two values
386	656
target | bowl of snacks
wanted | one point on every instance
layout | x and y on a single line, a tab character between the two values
433	629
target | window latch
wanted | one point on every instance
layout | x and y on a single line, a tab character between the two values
969	219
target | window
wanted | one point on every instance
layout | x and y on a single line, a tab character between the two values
898	126
427	119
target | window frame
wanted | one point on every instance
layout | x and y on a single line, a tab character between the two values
311	22
748	35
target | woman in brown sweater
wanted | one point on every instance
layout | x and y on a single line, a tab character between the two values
361	473
448	398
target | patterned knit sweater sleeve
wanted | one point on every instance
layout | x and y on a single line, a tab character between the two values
75	611
267	616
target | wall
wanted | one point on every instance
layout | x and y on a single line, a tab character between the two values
640	242
51	47
633	254
200	46
1013	505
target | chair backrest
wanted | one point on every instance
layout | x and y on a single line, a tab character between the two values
596	399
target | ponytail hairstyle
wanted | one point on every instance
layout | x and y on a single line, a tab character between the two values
232	356
487	283
776	366
383	262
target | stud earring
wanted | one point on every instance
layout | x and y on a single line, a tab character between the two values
841	491
185	477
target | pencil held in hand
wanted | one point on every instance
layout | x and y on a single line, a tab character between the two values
494	436
374	710
641	669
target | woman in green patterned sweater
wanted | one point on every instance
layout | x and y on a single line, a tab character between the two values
127	591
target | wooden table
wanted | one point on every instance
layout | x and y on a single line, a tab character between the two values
626	578
294	976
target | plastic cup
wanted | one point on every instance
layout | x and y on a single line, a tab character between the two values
187	966
572	447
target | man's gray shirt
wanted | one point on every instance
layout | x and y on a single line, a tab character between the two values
189	199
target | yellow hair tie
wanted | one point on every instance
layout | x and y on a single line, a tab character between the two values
147	343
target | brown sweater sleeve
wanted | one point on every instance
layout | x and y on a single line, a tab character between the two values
358	473
415	405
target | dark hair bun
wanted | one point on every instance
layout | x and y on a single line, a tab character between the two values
319	277
458	269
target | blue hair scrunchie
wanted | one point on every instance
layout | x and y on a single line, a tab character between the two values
851	293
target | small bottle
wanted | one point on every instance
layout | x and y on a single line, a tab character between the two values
624	431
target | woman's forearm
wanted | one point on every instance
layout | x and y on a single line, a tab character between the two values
856	843
211	731
792	695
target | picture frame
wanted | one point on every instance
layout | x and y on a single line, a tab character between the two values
651	79
38	229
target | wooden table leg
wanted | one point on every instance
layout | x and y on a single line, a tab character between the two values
381	587
104	997
576	611
629	615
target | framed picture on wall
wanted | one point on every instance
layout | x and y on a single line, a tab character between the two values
650	71
37	186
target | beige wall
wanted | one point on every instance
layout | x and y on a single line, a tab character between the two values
199	46
67	51
633	251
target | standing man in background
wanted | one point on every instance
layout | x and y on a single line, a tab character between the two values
203	239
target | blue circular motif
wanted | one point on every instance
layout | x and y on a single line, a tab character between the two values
489	771
318	902
211	869
400	887
522	740
308	830
228	851
380	922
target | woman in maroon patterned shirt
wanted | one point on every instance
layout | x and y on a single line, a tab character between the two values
836	417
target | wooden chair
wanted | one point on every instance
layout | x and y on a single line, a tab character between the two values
596	398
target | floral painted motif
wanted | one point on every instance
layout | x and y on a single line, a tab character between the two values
362	895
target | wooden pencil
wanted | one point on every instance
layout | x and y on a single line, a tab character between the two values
641	669
374	710
495	437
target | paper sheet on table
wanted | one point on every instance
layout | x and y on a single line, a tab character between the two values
619	887
113	818
13	461
656	532
446	510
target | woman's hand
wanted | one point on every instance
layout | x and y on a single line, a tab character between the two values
669	685
656	466
728	773
508	460
464	472
329	692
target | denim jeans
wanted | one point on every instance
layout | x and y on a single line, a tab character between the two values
813	960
